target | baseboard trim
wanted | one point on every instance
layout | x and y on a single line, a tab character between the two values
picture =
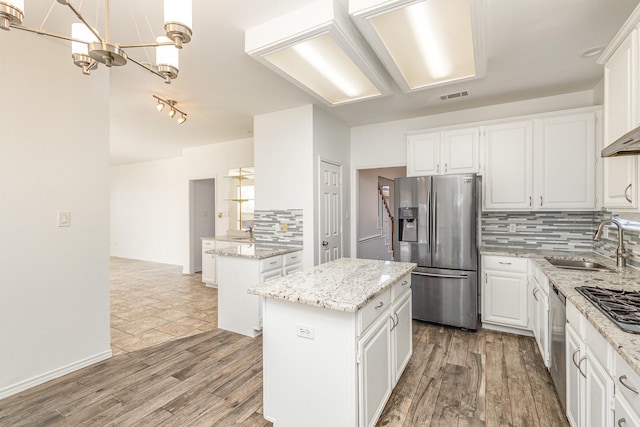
51	375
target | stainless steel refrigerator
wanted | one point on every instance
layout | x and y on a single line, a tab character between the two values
435	227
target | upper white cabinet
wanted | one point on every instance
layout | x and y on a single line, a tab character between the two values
446	152
565	162
508	179
621	92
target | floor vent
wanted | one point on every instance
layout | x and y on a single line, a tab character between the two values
454	95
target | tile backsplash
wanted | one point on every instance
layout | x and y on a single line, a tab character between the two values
266	224
564	231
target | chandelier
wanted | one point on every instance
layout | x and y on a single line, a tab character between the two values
89	48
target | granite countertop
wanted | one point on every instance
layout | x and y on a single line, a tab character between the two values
346	284
254	250
226	238
628	278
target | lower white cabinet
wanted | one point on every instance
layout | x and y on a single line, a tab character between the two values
539	286
350	362
590	387
210	261
505	293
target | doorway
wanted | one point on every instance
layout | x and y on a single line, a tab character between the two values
202	208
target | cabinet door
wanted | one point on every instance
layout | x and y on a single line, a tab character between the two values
564	159
506	300
402	336
374	371
423	154
536	315
508	181
598	394
460	151
619	174
575	379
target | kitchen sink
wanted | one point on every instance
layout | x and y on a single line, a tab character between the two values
570	264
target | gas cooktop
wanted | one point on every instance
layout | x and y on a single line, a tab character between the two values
621	307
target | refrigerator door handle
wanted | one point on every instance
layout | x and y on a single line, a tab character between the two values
434	212
442	276
429	212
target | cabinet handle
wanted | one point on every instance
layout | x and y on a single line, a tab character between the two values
573	357
530	201
626	193
445	168
580	364
540	200
404	283
272	262
623	379
534	294
622	421
380	304
294	257
438	168
504	263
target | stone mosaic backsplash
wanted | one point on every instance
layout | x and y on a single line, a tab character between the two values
564	231
266	227
538	230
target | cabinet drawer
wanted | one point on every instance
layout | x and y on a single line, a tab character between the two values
518	265
626	379
208	244
270	275
575	319
293	258
373	309
400	287
624	415
272	263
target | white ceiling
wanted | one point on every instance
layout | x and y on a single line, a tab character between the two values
533	49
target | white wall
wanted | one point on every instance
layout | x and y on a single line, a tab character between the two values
54	156
384	144
283	149
211	161
147	215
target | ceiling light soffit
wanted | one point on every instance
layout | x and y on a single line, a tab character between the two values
317	48
425	43
89	48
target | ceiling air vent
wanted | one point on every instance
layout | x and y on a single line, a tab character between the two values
454	95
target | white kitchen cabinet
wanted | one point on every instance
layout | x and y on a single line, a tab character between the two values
505	293
401	335
627	396
621	94
375	370
446	152
565	161
210	261
574	360
539	286
508	178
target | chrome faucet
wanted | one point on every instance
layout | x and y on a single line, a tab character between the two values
251	232
621	253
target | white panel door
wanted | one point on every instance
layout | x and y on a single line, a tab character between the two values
565	162
620	186
574	352
598	394
402	335
330	207
508	181
460	151
423	154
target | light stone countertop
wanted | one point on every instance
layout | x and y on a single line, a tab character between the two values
628	278
226	238
346	284
254	250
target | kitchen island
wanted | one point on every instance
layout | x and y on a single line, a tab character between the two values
243	266
336	339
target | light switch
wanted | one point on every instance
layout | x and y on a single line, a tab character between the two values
64	219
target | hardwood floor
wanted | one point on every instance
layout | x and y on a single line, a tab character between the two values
214	378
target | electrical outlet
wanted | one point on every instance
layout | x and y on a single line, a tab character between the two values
512	228
64	219
284	227
305	331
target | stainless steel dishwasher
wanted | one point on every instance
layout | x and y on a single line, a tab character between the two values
557	324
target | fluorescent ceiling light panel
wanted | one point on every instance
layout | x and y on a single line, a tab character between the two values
317	48
323	66
422	43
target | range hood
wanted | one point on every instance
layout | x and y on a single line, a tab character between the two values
627	145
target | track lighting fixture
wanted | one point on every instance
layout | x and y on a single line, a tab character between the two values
89	48
173	111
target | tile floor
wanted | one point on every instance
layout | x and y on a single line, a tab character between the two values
153	303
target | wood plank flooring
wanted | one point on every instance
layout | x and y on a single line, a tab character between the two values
214	378
455	378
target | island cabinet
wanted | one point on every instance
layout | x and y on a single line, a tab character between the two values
327	360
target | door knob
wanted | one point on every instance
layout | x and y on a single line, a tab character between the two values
325	243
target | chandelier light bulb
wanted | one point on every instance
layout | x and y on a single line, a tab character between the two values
172	113
182	119
80	31
160	106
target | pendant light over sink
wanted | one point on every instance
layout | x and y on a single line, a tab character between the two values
89	48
